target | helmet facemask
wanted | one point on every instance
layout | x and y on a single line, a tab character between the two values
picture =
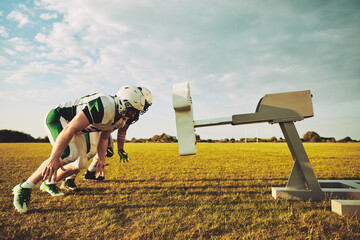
121	108
146	108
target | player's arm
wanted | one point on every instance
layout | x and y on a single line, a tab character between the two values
101	151
54	162
110	147
121	134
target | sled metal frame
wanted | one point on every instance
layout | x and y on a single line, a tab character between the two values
284	109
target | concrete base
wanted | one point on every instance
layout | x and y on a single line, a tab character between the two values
296	194
346	207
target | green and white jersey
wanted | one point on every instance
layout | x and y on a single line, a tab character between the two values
100	110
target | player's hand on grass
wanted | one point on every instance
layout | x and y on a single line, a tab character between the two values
123	156
51	167
100	169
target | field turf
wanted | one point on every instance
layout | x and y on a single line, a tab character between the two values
223	192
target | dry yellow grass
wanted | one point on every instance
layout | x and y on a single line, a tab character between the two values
223	192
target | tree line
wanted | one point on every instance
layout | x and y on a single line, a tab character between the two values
11	136
309	136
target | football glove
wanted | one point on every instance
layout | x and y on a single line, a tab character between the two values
123	155
109	152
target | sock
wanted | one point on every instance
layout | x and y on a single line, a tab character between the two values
27	184
92	168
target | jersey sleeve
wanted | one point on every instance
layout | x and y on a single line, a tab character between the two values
87	114
101	109
96	110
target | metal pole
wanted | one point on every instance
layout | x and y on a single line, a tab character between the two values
302	175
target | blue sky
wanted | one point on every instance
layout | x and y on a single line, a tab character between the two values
231	52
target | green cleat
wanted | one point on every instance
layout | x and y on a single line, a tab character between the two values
51	188
21	198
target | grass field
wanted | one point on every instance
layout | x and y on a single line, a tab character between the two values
223	192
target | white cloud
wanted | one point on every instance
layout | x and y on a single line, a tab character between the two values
28	73
60	43
232	52
18	78
3	32
4	61
23	7
18	17
48	16
27	95
10	52
21	44
40	38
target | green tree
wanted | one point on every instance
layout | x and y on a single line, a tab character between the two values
197	136
312	136
15	136
163	138
347	139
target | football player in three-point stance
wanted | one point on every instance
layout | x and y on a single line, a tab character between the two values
65	126
92	138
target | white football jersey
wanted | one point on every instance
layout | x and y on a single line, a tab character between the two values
100	110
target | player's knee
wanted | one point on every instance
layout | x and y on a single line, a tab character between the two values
82	163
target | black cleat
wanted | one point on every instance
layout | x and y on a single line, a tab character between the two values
69	185
91	176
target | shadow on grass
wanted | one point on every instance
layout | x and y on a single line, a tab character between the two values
243	206
197	180
232	194
104	206
173	197
214	189
190	190
82	191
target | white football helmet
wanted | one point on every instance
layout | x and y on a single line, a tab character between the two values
148	98
132	96
147	94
